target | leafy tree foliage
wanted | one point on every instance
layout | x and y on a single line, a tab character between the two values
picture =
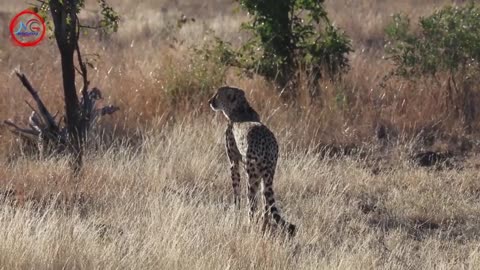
288	35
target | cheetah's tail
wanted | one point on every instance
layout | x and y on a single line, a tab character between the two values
290	228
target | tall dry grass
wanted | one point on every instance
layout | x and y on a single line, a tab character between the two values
160	195
169	205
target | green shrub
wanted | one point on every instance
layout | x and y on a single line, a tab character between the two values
446	43
288	35
448	40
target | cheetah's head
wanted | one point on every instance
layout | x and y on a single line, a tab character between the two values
232	102
227	98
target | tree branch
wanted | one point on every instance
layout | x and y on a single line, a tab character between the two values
110	109
34	111
43	110
89	27
19	130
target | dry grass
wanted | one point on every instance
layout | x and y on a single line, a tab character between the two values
161	197
168	205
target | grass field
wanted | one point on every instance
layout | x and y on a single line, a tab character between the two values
156	193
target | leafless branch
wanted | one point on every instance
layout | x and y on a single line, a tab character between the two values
43	110
35	111
20	130
107	110
90	27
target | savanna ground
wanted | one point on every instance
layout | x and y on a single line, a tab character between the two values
155	191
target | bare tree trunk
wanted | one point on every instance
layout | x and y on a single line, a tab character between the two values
72	109
65	20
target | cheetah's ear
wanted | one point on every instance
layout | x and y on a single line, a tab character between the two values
238	93
232	98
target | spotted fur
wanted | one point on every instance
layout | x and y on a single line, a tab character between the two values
251	143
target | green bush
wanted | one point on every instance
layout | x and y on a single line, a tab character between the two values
288	35
446	43
448	40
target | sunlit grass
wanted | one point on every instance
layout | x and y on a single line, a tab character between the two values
160	196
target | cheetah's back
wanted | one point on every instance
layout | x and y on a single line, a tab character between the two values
255	139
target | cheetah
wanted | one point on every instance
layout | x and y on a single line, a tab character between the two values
251	143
